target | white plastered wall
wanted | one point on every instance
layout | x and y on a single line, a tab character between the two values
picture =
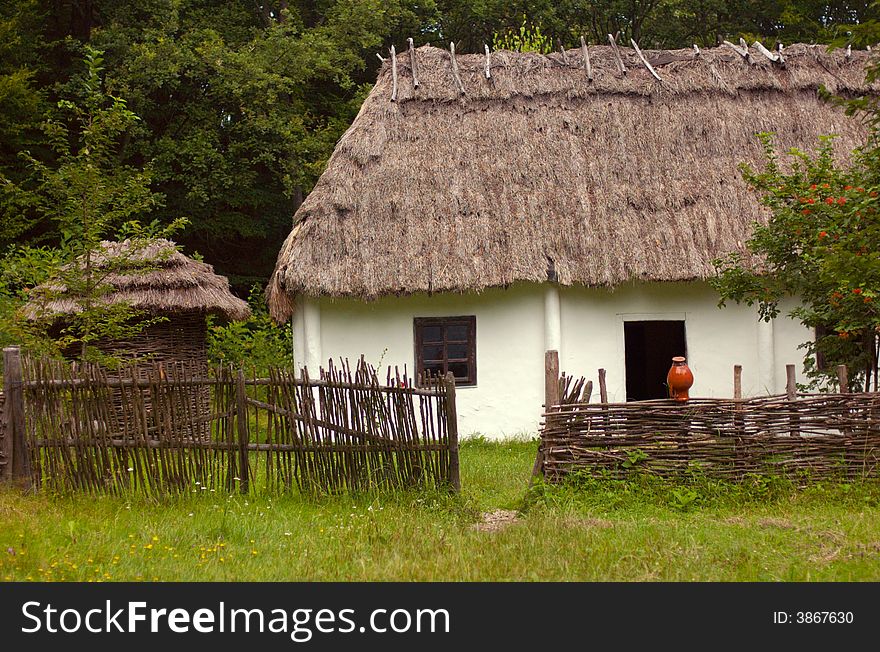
515	326
717	339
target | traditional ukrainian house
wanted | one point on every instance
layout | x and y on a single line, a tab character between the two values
484	208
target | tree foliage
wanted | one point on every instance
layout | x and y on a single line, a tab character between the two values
241	103
822	246
87	196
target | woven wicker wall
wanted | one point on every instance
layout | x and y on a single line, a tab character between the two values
180	341
182	338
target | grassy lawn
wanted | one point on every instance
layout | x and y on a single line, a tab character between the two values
595	531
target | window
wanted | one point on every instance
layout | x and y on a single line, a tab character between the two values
649	349
446	344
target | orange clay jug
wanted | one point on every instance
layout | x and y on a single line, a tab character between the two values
679	379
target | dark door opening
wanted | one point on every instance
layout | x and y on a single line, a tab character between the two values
649	349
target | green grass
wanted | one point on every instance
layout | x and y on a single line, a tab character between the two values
589	530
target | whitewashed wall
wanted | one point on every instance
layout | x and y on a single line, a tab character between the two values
516	325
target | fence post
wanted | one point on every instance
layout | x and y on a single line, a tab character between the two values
551	397
843	379
738	423
452	430
241	420
791	395
737	381
14	442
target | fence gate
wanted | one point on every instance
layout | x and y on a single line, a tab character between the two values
169	428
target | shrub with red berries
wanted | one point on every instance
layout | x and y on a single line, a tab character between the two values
821	244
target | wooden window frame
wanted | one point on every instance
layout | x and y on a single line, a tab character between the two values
420	323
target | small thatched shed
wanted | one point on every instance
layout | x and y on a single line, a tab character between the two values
480	210
160	281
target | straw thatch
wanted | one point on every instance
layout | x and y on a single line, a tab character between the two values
155	278
539	173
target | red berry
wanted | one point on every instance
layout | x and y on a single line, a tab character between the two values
857	291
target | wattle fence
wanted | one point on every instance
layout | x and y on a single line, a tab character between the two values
169	429
815	436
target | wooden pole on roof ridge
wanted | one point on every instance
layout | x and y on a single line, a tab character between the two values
455	68
381	58
743	52
849	51
412	63
696	50
617	56
562	52
645	61
488	67
586	53
393	74
775	57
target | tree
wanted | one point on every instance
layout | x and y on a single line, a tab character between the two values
821	245
88	196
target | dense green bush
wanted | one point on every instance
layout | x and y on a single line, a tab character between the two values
256	343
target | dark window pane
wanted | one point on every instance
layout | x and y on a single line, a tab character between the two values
459	369
432	352
432	333
434	369
457	332
457	351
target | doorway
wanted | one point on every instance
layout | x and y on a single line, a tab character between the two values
649	349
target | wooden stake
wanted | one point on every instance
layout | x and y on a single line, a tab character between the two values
696	50
586	52
737	395
452	430
393	74
488	67
737	381
15	442
645	61
791	395
412	63
241	420
381	58
551	399
620	65
455	68
843	379
603	390
551	379
790	382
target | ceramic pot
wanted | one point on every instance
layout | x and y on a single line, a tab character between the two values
679	379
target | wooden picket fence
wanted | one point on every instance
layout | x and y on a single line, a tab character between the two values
827	436
84	428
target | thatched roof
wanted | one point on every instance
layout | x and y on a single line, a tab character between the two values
154	277
540	173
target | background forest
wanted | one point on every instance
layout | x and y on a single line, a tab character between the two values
239	104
